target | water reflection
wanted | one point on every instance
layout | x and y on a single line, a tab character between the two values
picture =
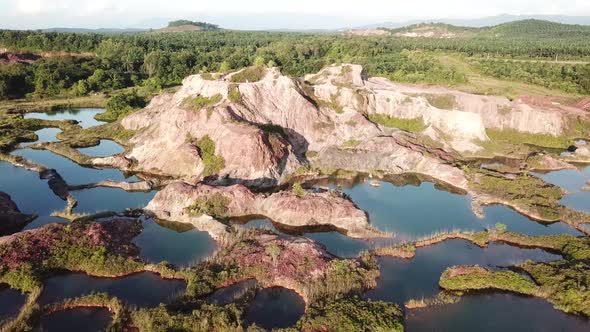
402	280
72	173
494	312
45	135
76	320
84	116
11	302
142	289
180	247
104	149
275	307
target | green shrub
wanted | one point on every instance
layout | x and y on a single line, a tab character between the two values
213	163
121	105
298	190
412	125
212	205
234	95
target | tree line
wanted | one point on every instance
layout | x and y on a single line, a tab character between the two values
156	60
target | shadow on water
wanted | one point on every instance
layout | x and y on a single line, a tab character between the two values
417	278
494	312
336	243
231	293
275	307
179	247
144	289
76	320
84	116
11	302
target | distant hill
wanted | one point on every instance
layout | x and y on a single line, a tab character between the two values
485	21
434	30
539	29
518	29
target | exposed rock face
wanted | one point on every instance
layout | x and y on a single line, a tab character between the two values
313	209
263	128
11	219
166	142
462	116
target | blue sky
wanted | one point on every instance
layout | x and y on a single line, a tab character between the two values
298	14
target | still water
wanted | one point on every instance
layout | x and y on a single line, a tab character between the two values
76	320
144	289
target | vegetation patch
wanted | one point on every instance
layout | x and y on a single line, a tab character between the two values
249	75
213	163
352	143
333	104
411	125
352	314
526	191
205	317
469	278
215	205
443	102
197	103
120	105
517	137
234	94
564	283
100	249
298	190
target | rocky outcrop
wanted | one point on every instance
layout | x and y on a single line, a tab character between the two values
311	209
11	219
263	127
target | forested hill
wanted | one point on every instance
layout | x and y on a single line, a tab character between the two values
537	29
156	60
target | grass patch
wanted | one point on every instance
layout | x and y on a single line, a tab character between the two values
53	104
469	278
527	192
213	163
212	205
249	75
197	103
353	143
411	125
443	102
332	104
517	137
234	94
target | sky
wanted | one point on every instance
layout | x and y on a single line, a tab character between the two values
263	14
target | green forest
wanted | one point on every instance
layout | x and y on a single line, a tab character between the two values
158	60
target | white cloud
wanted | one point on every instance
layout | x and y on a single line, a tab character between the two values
118	12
